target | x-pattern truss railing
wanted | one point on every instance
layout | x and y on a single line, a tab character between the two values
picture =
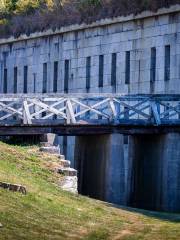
89	109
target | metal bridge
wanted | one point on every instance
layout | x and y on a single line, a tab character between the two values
78	114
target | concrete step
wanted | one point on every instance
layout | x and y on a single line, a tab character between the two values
50	149
65	163
71	172
45	144
69	184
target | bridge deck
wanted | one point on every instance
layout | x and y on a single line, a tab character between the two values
88	113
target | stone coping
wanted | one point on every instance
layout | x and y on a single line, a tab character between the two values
99	23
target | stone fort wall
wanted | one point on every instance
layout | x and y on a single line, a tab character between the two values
126	55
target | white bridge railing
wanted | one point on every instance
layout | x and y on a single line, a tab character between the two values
89	109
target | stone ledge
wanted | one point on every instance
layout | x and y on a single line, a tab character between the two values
69	184
71	172
65	163
50	149
62	157
45	144
13	187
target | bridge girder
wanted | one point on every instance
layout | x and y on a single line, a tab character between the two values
83	113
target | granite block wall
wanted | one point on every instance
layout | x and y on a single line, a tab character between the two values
137	36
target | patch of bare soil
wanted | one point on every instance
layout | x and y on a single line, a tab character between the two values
123	234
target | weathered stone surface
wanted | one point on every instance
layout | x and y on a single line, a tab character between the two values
67	172
45	144
62	157
154	170
65	163
100	164
13	187
48	139
69	183
69	180
51	150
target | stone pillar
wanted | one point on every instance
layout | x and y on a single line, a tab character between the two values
49	138
49	143
116	174
67	145
154	172
99	160
171	172
70	149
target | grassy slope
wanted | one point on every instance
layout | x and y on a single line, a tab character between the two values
46	212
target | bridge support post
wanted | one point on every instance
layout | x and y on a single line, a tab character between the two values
100	163
49	138
154	172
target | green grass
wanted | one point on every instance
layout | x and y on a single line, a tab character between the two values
47	212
